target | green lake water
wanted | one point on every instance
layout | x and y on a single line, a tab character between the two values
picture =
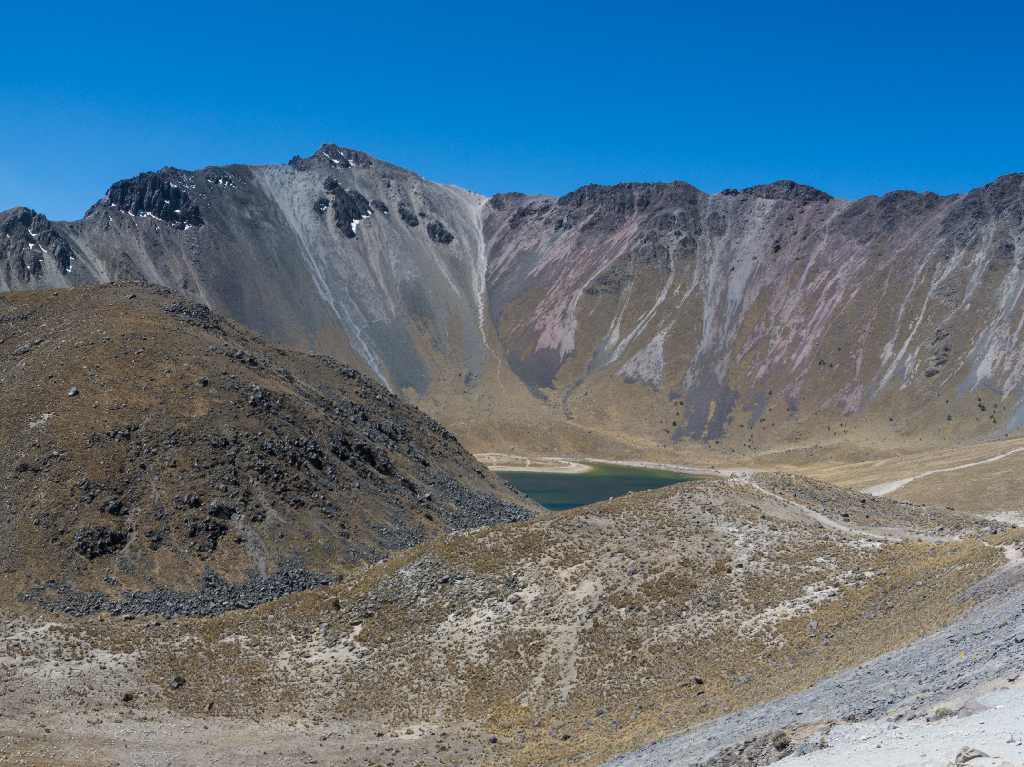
603	481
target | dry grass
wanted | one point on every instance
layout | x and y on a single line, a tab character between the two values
570	638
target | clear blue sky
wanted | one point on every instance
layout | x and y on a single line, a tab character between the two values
855	98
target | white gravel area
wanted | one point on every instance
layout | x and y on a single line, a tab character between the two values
995	728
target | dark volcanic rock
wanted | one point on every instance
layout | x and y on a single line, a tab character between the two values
207	534
214	597
350	207
408	215
787	190
475	509
438	233
30	245
194	313
93	542
162	195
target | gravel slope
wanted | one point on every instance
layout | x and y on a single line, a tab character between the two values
994	727
943	670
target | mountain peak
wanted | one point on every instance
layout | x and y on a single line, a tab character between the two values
31	246
783	189
20	214
631	195
165	195
334	155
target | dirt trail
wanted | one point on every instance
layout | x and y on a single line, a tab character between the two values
895	534
885	488
746	479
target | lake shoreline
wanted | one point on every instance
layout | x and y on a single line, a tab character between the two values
506	462
561	484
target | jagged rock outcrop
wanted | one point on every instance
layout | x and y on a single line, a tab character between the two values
31	249
164	196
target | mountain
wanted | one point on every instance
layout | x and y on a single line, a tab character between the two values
148	444
653	315
338	252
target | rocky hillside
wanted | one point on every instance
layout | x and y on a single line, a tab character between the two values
655	313
565	640
147	443
767	313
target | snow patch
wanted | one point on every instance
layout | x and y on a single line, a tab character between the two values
357	221
332	159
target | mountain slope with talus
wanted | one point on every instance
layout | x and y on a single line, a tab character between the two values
771	312
337	252
646	314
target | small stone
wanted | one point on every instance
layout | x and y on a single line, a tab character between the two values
968	754
177	682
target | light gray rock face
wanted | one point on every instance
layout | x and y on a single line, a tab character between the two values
313	253
774	311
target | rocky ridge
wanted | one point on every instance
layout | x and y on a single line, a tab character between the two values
740	321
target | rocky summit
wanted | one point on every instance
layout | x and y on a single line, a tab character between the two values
767	317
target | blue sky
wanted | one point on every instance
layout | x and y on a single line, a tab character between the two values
855	98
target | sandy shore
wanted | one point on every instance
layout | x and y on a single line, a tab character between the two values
544	465
558	465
